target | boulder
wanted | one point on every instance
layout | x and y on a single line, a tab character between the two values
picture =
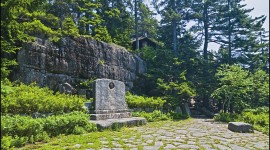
240	127
66	88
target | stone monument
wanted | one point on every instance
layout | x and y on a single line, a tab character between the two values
109	106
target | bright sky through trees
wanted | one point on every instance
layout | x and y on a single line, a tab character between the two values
261	7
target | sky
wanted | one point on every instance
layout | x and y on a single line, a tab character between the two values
261	7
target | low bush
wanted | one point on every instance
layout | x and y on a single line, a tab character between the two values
156	115
226	117
18	130
135	101
258	117
29	99
178	115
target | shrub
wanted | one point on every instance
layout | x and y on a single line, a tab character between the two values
226	117
68	124
28	99
258	117
135	101
156	115
6	142
18	130
239	88
178	115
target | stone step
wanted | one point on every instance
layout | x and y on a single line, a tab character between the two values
118	123
110	116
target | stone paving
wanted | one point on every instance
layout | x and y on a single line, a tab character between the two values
196	134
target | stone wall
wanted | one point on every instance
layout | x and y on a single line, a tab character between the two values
76	60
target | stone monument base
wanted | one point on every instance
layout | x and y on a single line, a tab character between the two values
110	116
118	123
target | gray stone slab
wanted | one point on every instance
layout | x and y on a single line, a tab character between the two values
110	116
221	147
110	109
109	95
233	146
240	127
186	146
112	123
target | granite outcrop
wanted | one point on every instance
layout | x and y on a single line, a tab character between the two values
74	60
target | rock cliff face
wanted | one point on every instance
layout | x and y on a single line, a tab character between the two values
74	61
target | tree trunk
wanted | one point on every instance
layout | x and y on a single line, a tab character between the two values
174	32
174	37
229	26
87	31
136	25
206	21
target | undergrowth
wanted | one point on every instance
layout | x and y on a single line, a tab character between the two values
18	130
18	98
158	115
258	117
135	101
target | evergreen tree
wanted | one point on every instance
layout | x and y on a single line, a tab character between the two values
204	19
21	21
148	25
175	16
118	20
69	28
233	28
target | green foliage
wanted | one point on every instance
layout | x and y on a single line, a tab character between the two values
176	92
18	130
6	49
101	33
69	28
88	84
260	88
258	117
6	142
226	117
117	20
156	115
147	24
72	123
239	89
135	101
174	78
178	115
28	99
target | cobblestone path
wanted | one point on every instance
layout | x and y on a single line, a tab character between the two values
191	134
194	134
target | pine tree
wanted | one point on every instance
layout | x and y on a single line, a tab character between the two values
204	13
69	28
21	21
175	15
118	20
148	25
233	28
